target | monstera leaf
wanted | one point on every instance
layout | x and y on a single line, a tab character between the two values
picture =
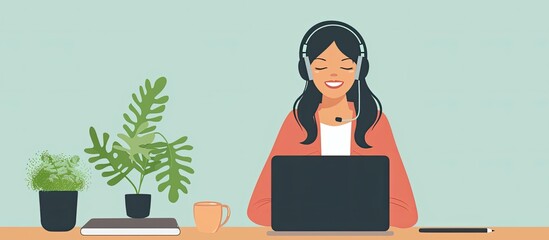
117	164
170	164
137	153
146	114
146	109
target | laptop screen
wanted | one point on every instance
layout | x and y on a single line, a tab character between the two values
330	193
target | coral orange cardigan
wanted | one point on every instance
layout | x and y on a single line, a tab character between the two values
402	208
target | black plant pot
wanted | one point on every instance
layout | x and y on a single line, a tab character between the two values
138	205
58	210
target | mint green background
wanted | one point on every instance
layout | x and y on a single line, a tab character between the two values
463	83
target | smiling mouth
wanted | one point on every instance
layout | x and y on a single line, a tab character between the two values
333	84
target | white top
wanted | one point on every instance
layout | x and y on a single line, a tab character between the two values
335	140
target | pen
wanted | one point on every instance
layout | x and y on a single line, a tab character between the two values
456	230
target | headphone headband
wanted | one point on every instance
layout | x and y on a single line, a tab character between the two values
332	24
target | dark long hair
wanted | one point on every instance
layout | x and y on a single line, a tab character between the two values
307	103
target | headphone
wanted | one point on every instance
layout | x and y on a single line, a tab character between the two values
362	64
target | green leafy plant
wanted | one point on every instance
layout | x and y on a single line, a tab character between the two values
59	172
143	149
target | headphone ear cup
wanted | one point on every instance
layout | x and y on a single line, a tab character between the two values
302	69
364	68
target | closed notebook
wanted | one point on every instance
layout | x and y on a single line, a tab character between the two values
131	226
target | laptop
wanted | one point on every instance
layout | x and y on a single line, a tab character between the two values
312	194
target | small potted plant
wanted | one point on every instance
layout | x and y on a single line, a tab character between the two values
58	178
142	151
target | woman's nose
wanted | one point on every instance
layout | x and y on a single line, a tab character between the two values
333	75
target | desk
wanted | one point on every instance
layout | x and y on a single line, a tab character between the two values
238	233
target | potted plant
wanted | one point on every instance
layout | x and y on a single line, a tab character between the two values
143	151
58	178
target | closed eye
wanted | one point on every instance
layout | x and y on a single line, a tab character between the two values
347	68
321	68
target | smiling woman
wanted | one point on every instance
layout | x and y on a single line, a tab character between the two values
343	113
335	52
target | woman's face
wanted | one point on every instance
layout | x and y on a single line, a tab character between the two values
333	72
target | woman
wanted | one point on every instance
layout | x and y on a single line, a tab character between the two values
337	114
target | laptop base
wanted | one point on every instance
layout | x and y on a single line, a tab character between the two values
330	233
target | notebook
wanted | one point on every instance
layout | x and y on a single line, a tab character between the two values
131	226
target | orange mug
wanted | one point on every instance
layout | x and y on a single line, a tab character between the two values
208	215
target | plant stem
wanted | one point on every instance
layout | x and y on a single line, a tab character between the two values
133	185
165	140
167	146
140	182
138	190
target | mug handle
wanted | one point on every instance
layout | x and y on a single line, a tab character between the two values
228	214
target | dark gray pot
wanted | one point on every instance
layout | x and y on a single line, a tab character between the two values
58	210
138	205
